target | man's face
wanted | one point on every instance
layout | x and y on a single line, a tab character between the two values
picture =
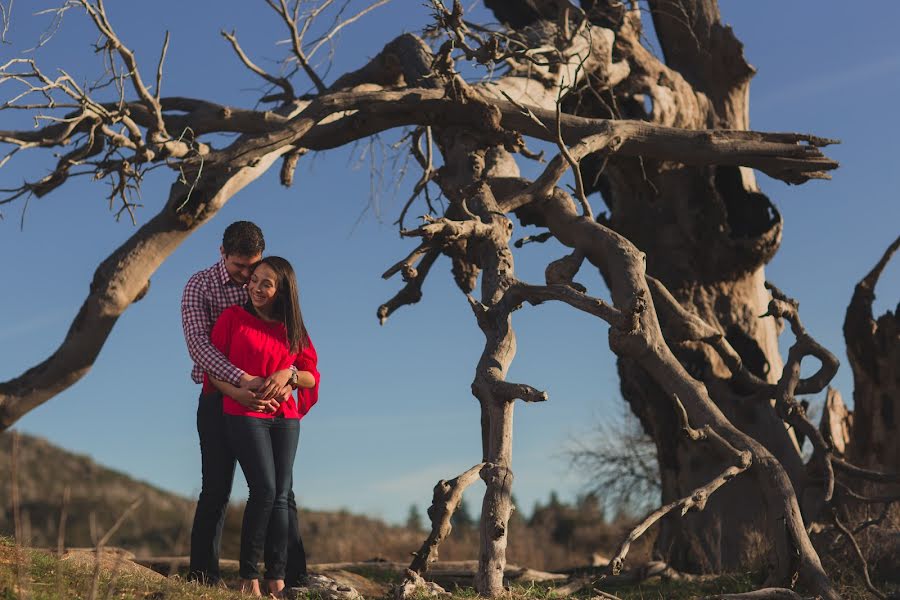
238	266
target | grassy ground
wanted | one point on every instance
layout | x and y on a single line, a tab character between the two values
38	575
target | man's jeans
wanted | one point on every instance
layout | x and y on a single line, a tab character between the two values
218	463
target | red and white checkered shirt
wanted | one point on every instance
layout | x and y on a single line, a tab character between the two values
206	295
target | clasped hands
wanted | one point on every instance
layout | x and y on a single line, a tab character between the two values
264	394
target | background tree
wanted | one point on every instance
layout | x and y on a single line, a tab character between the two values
414	518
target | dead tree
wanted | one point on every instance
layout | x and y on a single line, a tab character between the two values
873	347
690	153
707	232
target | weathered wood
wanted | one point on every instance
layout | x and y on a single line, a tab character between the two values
873	347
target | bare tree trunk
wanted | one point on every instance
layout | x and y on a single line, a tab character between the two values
707	233
499	351
873	347
722	536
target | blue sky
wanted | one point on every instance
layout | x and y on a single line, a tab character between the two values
396	413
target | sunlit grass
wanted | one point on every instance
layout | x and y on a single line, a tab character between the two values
41	575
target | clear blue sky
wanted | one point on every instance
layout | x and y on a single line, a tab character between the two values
396	413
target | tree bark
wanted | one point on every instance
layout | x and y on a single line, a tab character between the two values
873	347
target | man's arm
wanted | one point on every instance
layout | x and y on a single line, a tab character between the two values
197	322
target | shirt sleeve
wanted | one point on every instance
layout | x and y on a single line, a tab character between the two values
308	360
196	319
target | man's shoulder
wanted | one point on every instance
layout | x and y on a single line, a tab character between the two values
198	286
203	277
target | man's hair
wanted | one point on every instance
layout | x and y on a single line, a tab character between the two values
243	238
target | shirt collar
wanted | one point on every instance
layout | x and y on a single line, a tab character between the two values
224	277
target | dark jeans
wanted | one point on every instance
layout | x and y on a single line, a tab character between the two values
265	449
218	463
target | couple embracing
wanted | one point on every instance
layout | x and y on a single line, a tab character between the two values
252	353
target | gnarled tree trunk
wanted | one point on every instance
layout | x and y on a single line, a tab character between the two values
707	233
873	347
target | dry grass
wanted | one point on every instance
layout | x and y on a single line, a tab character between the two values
46	577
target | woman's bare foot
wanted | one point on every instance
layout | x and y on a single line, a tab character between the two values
250	587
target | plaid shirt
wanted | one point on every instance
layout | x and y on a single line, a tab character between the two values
206	295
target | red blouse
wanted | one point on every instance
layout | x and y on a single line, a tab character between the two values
260	348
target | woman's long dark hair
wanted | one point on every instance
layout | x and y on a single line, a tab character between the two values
286	307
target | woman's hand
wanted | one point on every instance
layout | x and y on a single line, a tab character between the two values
275	385
249	399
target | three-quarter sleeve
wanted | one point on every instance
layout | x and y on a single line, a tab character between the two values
308	360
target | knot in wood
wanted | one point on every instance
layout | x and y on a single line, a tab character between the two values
699	499
408	272
616	566
498	529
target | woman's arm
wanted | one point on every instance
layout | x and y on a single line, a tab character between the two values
306	379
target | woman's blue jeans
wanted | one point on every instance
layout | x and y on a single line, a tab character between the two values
265	449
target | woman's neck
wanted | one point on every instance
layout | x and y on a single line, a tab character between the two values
264	315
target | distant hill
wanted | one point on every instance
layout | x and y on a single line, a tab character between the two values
556	536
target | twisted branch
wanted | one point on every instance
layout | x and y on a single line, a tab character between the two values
697	499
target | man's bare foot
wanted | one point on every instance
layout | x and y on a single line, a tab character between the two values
275	586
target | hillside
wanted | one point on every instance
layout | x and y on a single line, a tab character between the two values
556	536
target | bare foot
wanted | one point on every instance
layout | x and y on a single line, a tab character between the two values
276	586
250	587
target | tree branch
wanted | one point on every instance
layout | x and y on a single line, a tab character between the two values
697	499
412	291
445	500
297	43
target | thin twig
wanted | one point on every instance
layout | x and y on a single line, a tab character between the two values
328	36
862	559
61	530
281	82
297	43
98	550
159	67
22	555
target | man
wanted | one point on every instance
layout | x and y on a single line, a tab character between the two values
206	294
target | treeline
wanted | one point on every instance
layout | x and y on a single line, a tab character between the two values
554	535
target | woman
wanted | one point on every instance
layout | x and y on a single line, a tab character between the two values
263	336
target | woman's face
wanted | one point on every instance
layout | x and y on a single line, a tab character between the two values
263	287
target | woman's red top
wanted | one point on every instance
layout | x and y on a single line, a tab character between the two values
260	348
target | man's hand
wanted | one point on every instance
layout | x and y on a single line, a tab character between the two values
275	385
252	383
248	399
